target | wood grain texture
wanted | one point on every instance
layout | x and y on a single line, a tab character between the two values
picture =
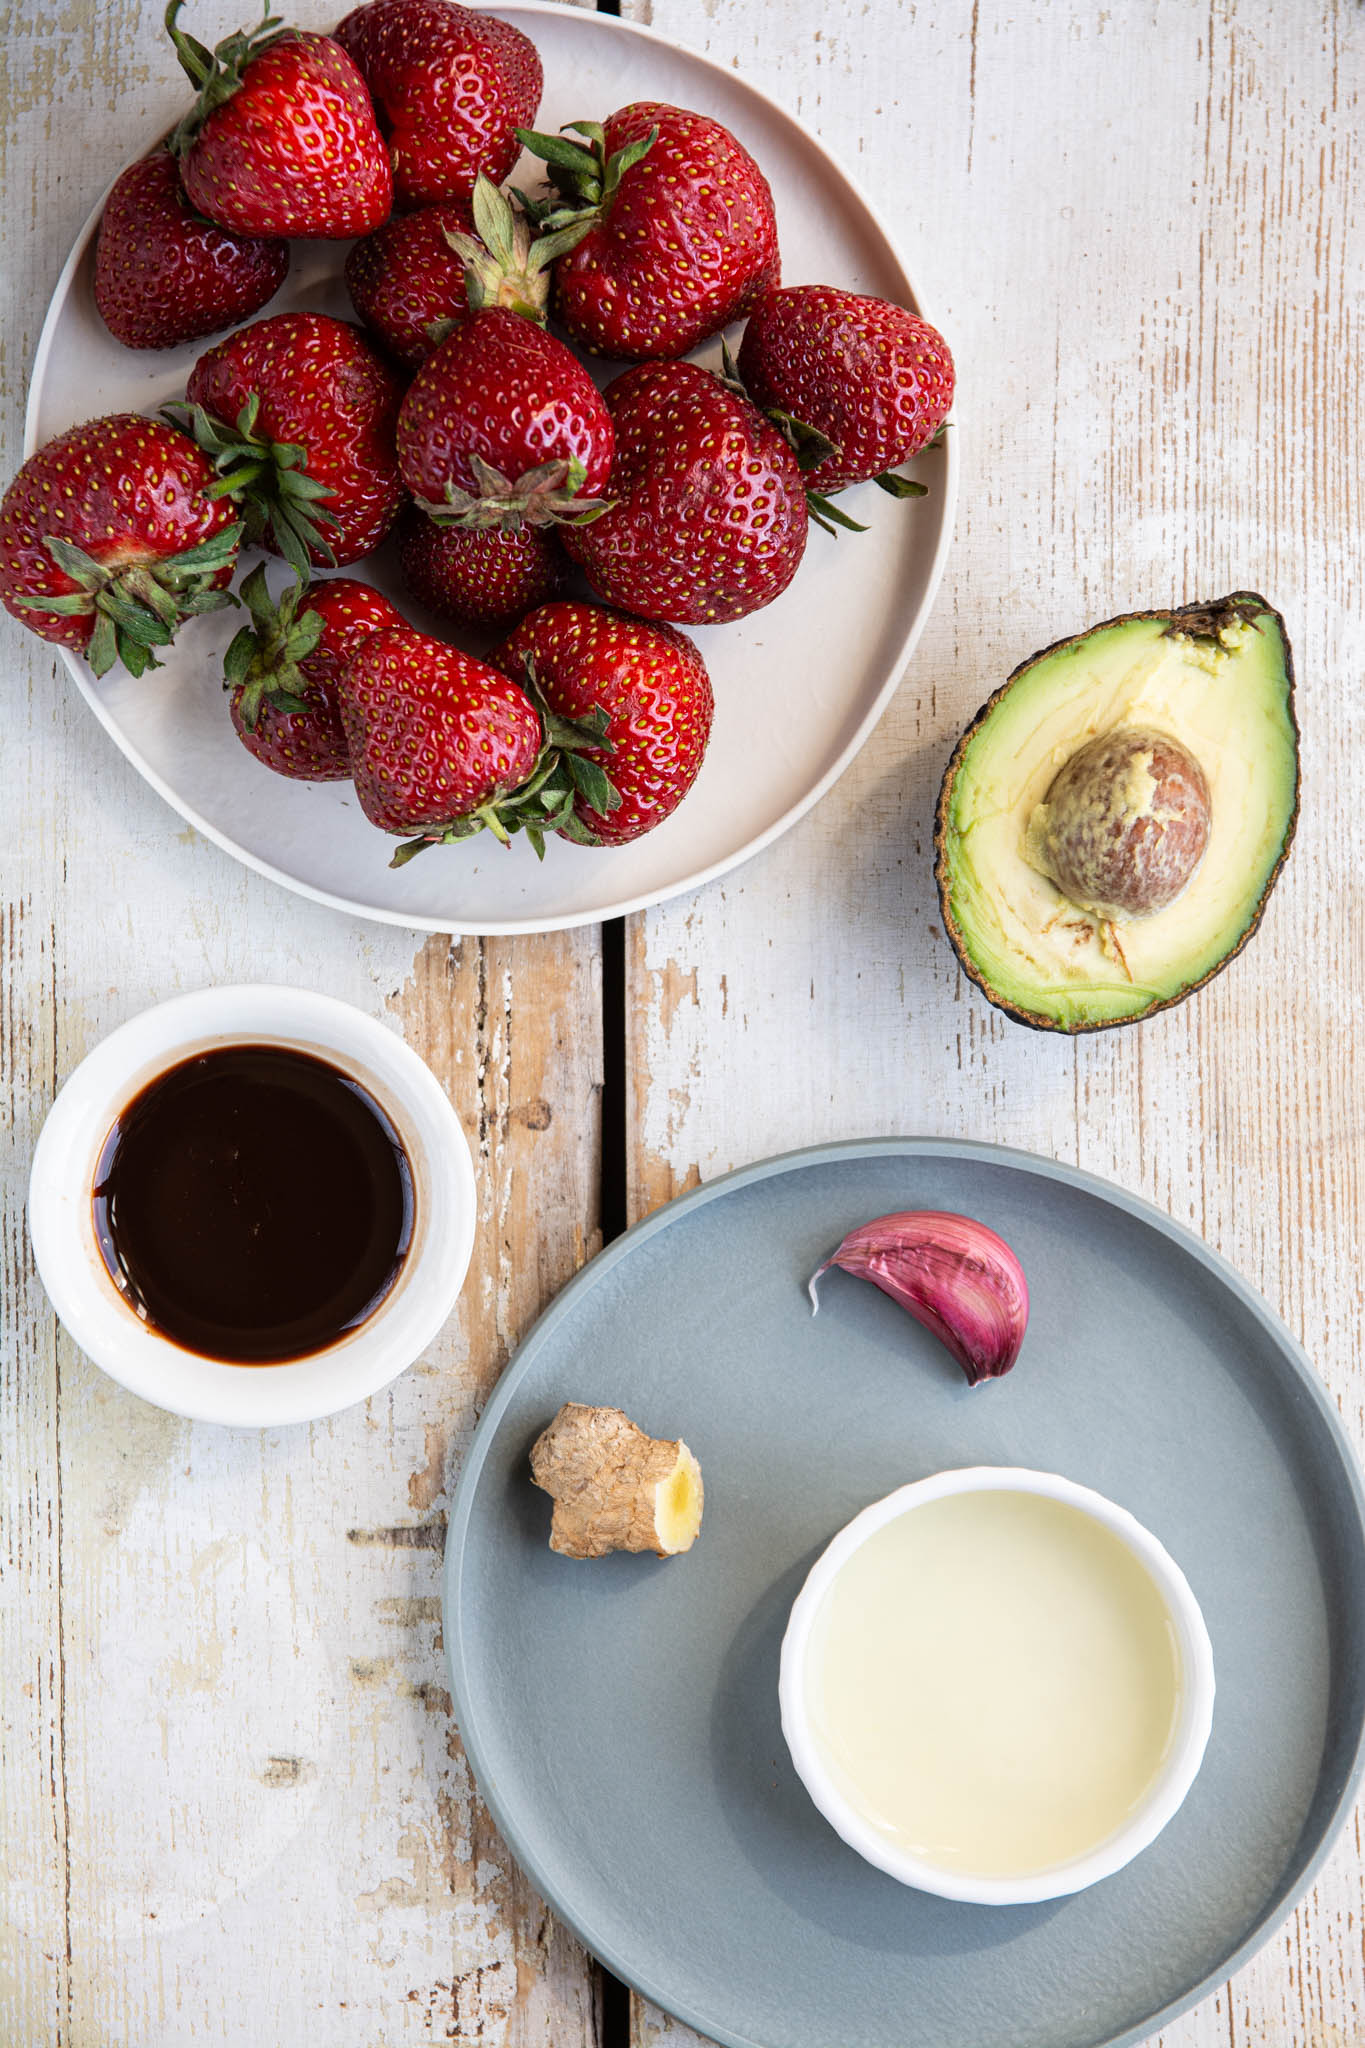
233	1805
1141	231
233	1808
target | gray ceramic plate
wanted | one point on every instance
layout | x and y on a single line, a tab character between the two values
621	1716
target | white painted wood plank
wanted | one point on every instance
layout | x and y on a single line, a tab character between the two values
1141	231
233	1805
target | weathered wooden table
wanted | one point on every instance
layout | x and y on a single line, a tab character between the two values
233	1806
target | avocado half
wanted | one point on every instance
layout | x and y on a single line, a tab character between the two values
1218	678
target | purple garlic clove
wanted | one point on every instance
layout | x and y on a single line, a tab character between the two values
950	1273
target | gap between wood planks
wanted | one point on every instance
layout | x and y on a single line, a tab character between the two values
614	1217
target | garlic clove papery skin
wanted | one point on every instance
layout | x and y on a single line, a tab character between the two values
952	1274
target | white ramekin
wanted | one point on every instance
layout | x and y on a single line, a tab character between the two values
1167	1790
61	1217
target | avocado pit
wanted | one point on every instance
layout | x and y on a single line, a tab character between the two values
1124	823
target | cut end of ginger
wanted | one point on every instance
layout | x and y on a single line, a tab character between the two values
614	1487
678	1503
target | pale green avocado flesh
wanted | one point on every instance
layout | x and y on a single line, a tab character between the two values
1217	678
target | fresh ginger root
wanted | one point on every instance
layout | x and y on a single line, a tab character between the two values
614	1488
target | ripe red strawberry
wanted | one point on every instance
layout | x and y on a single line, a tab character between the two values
108	540
436	739
452	86
502	424
678	234
425	274
869	376
407	278
709	515
282	670
163	275
282	139
486	577
297	414
652	684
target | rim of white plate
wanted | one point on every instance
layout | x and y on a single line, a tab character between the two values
626	905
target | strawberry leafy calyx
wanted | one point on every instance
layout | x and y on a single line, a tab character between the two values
545	802
507	261
267	480
264	660
548	495
215	74
586	179
138	605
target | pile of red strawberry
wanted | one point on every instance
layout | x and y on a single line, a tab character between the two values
455	420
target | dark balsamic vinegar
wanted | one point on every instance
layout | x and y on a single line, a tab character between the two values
253	1203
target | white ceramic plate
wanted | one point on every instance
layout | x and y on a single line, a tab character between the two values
799	686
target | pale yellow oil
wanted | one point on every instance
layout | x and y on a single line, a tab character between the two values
993	1682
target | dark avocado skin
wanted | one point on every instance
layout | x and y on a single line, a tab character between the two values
1199	621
